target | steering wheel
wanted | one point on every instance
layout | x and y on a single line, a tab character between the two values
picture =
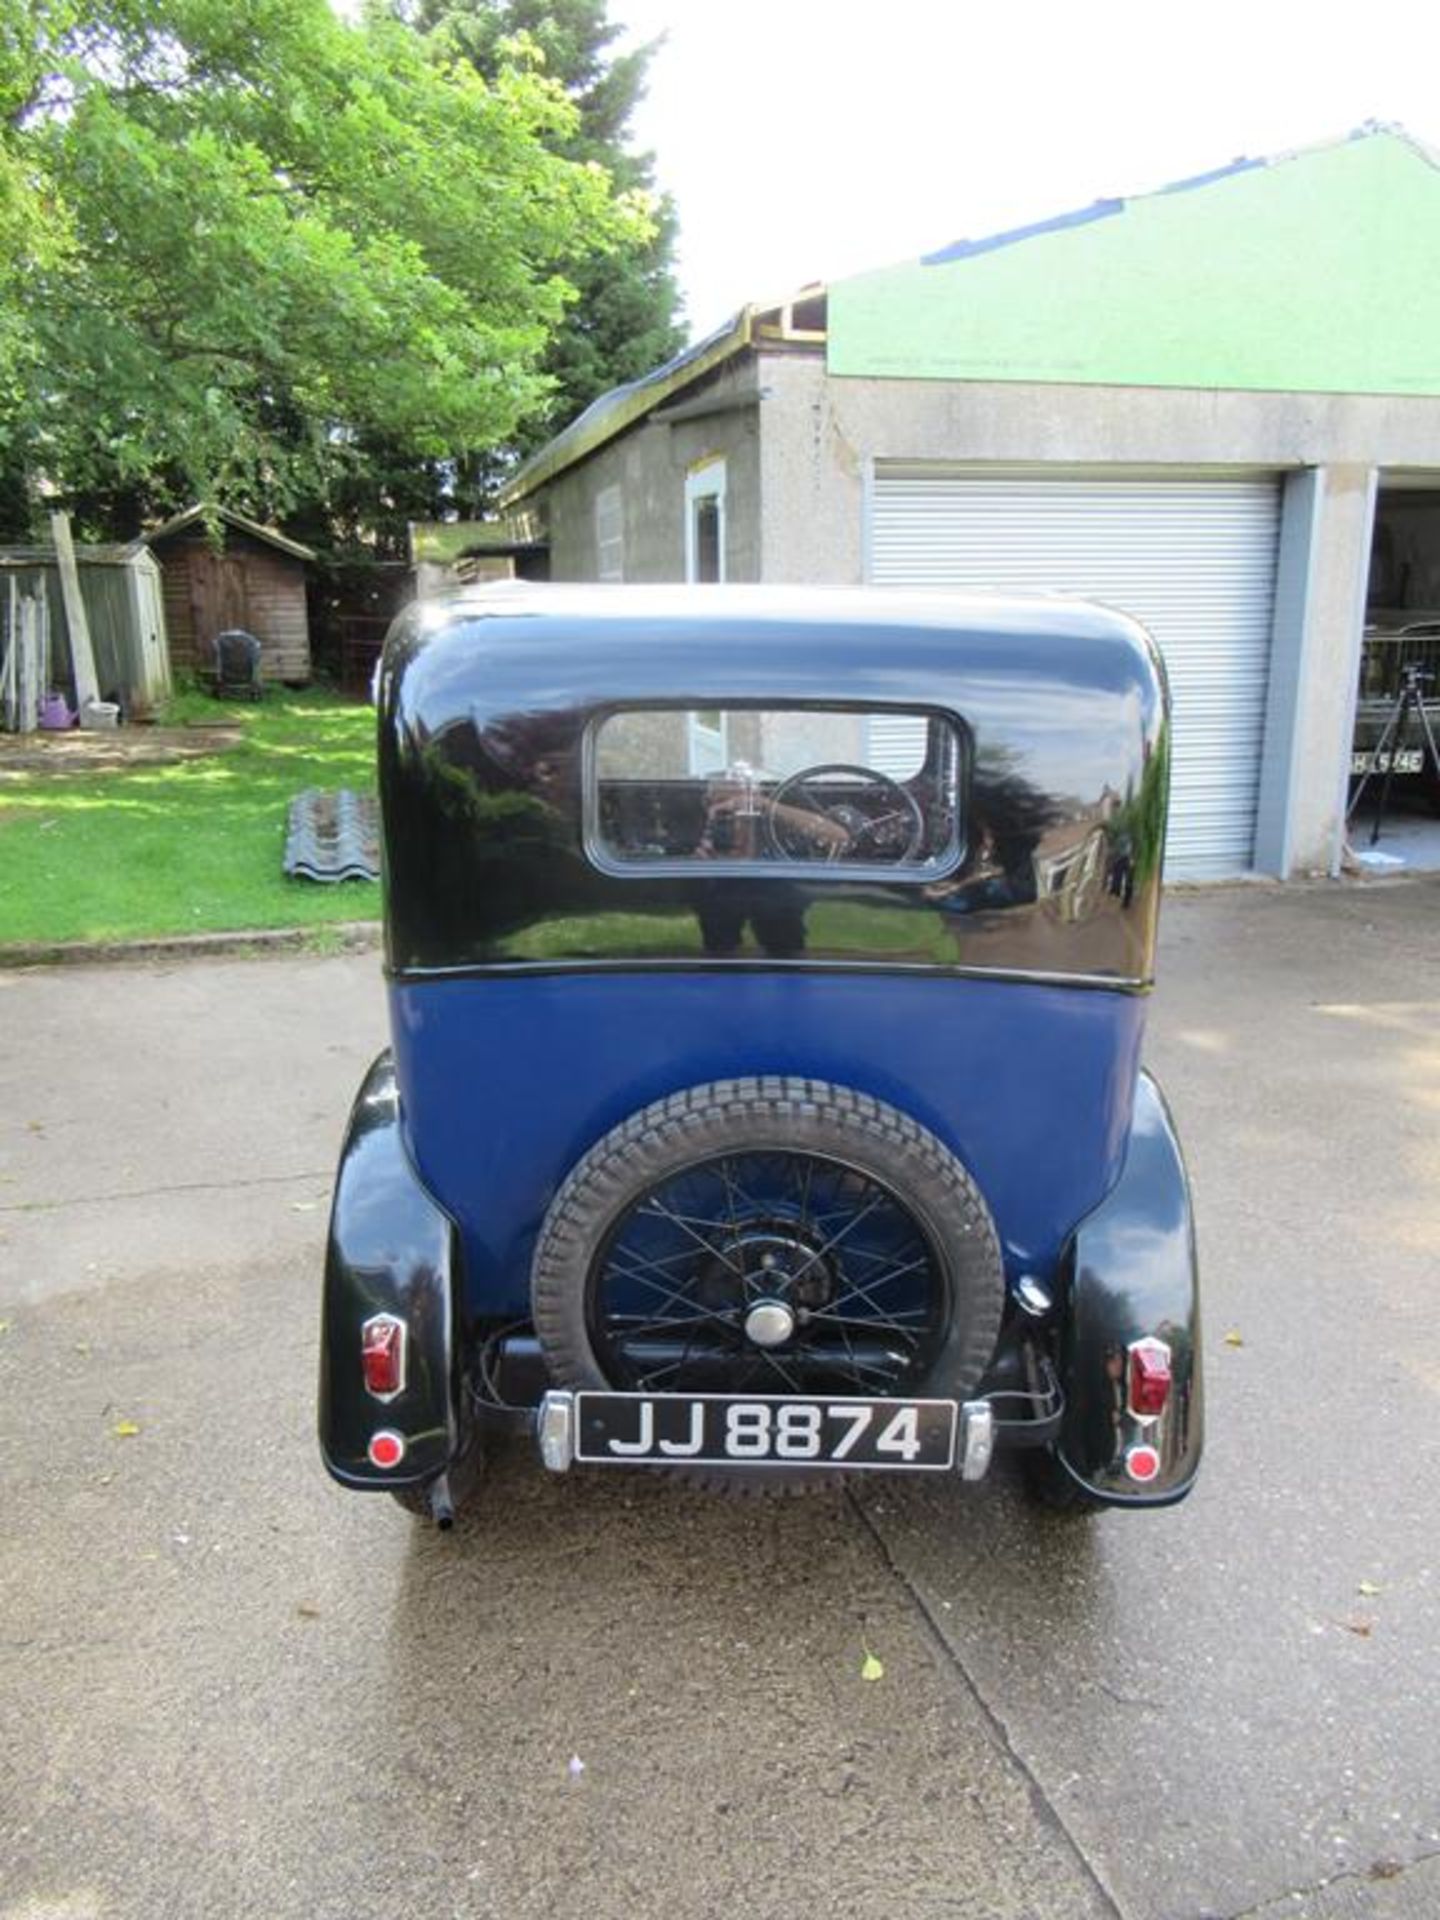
843	812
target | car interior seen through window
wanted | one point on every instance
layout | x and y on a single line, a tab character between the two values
772	786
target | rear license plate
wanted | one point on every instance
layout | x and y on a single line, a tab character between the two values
726	1430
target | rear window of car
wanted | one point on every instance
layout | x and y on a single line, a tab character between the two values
772	789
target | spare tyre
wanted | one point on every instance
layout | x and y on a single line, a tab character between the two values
769	1236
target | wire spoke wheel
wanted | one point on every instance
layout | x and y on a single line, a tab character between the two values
769	1237
767	1272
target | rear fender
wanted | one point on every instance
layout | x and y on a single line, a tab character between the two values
391	1251
1132	1275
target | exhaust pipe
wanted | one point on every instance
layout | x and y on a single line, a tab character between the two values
442	1504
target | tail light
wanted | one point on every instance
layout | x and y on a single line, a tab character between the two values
1149	1377
382	1355
387	1448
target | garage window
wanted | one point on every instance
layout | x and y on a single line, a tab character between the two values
705	523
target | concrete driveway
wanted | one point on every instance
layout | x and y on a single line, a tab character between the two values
231	1689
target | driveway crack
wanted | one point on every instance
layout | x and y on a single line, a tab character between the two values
1046	1810
1363	1876
177	1186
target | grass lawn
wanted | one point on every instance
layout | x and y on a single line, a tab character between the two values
193	847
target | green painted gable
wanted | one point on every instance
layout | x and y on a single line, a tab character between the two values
1315	273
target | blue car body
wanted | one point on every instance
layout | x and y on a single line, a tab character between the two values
591	911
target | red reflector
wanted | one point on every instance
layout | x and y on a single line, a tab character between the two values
1149	1378
387	1449
382	1355
1142	1463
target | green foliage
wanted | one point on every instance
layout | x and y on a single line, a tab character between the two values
272	238
194	847
33	233
625	320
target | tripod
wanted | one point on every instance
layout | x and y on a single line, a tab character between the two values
1391	743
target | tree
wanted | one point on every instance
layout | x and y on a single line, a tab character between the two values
625	319
32	236
281	237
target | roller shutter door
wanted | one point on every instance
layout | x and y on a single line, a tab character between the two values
1192	558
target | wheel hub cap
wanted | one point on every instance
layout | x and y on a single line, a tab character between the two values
769	1323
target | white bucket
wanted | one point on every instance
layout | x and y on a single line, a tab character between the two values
100	714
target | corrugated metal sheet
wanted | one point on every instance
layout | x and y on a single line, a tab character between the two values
1193	558
333	835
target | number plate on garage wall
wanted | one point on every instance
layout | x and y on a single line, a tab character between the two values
723	1430
1408	760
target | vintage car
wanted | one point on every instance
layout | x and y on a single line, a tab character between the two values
767	978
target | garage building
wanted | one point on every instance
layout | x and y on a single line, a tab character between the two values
1212	406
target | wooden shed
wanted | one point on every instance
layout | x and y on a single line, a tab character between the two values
120	589
253	578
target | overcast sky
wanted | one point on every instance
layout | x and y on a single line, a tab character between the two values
806	141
